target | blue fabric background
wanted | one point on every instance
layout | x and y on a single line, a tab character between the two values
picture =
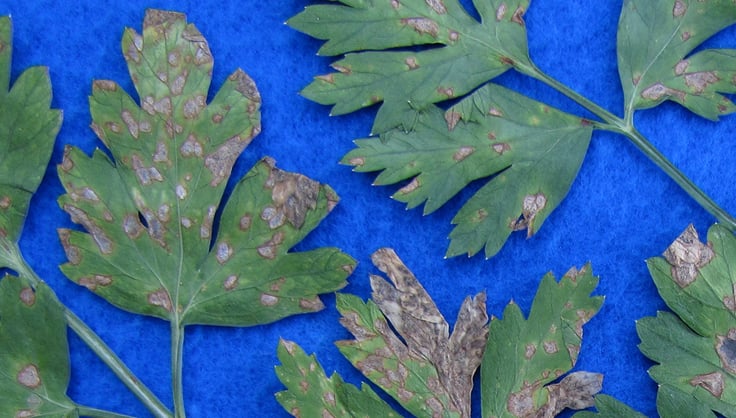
620	211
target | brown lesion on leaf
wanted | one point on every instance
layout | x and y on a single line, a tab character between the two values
412	186
437	5
448	92
679	9
501	148
161	299
106	85
191	147
202	56
29	376
268	300
518	16
269	249
685	36
411	62
5	202
245	222
501	11
72	251
77	194
223	253
132	226
422	25
452	118
327	78
550	347
130	122
687	255
146	175
312	304
463	153
659	91
529	351
681	67
98	235
67	164
27	296
494	111
92	282
193	107
453	36
293	195
231	282
700	81
205	229
712	382
25	413
530	207
220	162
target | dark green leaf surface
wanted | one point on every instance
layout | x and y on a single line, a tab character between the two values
536	152
34	364
655	42
150	246
425	368
524	355
463	53
695	352
609	407
28	128
310	393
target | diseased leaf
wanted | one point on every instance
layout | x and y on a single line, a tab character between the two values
34	365
609	407
672	402
425	368
310	393
695	352
524	355
461	52
655	44
536	152
28	128
150	244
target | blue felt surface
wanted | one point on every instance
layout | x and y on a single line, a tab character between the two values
620	211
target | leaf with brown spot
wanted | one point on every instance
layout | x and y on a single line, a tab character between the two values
28	128
35	354
460	54
149	211
310	392
534	152
695	347
656	40
524	355
427	369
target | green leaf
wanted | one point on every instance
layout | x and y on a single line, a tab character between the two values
460	54
425	368
695	352
310	393
28	128
655	42
534	151
149	212
609	407
524	355
672	402
34	363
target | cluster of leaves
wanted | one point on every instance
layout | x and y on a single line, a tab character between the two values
149	244
403	344
530	151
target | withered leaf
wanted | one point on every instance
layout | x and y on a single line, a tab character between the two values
524	355
150	244
696	346
425	368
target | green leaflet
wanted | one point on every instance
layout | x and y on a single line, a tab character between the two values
34	365
28	129
464	53
609	407
523	355
536	152
695	352
655	39
310	393
150	246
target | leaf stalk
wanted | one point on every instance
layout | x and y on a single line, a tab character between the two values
625	127
177	362
98	413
